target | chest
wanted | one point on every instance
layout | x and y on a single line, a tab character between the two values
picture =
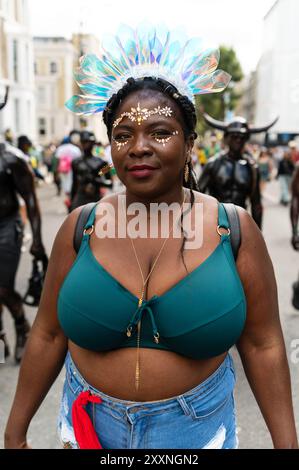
234	173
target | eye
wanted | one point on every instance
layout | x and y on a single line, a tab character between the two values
121	137
161	133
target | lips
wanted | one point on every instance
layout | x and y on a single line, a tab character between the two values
142	171
141	167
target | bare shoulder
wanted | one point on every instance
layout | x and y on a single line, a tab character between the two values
206	199
210	206
251	236
61	260
253	261
63	252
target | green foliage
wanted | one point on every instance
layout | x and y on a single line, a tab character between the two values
216	104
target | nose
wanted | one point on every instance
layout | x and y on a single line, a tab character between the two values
140	146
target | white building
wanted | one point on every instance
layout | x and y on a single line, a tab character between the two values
16	68
278	70
53	66
55	60
247	104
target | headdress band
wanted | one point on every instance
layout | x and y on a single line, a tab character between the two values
146	52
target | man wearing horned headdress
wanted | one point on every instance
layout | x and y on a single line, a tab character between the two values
233	175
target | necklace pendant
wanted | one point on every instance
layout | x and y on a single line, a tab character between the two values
140	302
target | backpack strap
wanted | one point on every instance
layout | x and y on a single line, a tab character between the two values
235	229
81	224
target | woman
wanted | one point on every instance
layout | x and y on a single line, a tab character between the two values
144	326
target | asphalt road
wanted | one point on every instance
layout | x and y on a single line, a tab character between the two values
252	430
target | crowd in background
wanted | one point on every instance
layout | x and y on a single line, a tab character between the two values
52	163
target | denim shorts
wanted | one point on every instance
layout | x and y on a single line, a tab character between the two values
202	418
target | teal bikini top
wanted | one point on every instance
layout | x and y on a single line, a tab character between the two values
201	316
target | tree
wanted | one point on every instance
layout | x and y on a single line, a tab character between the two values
216	104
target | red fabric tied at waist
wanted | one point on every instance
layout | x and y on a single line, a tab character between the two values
85	434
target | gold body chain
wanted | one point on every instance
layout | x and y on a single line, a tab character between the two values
140	301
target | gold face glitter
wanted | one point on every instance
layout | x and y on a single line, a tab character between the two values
165	140
120	144
139	114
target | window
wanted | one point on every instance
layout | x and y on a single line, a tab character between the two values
53	68
42	126
41	95
15	61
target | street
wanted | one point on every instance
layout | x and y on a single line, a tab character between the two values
252	430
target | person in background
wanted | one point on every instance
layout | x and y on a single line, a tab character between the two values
285	171
213	148
232	176
87	184
48	155
293	146
65	154
294	212
25	145
265	165
8	137
17	180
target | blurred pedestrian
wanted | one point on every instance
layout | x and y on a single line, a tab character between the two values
87	183
25	145
293	148
233	175
265	166
65	154
8	136
285	171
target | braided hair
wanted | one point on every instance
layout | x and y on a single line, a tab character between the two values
188	124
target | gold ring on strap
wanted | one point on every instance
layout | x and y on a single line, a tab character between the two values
225	228
89	231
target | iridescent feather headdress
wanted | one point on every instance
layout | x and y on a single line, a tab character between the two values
146	52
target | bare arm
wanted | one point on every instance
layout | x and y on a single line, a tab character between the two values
205	177
75	180
294	212
24	184
261	346
47	345
255	199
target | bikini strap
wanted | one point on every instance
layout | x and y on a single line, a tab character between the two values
223	221
228	218
85	225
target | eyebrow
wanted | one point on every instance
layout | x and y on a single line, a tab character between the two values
158	122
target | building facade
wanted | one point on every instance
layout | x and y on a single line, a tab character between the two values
278	71
16	68
53	65
55	60
247	103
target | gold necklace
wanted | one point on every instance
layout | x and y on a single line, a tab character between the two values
140	301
